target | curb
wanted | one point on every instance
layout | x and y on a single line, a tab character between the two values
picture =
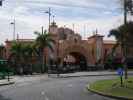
87	75
8	83
91	75
107	95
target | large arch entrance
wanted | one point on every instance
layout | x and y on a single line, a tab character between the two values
75	60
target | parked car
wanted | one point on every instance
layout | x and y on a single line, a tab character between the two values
113	63
129	62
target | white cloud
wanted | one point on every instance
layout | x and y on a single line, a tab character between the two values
30	16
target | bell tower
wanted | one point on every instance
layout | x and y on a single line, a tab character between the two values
53	28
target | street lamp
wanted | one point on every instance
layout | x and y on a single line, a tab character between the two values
49	13
14	28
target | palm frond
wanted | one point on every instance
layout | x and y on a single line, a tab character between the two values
37	33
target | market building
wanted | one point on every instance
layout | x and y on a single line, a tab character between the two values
71	48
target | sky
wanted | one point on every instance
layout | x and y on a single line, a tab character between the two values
85	15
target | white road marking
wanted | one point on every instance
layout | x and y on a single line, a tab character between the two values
44	94
70	85
46	98
23	84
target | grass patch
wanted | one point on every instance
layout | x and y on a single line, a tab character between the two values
113	87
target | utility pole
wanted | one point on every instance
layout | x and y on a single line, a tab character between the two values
125	11
124	47
58	59
49	14
128	8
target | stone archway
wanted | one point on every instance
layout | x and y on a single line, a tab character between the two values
79	52
78	60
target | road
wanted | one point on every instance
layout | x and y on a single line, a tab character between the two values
52	89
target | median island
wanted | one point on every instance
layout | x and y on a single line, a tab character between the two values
113	88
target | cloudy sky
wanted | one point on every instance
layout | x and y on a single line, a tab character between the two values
86	15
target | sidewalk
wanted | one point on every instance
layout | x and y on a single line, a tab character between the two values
23	79
98	73
6	82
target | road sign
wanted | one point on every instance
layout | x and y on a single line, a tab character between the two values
120	71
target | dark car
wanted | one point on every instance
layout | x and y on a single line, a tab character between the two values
129	62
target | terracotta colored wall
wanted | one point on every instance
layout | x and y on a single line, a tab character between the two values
86	47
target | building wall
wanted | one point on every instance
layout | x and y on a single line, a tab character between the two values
8	45
2	52
92	49
108	46
85	47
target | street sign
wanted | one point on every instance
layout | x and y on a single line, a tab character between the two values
120	71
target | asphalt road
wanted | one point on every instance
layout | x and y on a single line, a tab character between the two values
53	89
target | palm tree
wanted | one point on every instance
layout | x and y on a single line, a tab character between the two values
123	35
16	54
22	54
29	52
43	41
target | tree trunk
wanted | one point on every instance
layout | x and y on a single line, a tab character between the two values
124	46
125	64
44	62
125	11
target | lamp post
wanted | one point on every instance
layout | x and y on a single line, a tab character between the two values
49	14
58	59
14	28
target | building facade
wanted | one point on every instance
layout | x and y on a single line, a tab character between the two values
69	47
